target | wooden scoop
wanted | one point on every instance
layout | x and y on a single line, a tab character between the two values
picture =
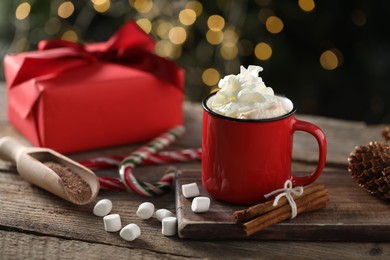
30	165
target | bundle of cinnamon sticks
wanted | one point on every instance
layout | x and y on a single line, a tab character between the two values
261	216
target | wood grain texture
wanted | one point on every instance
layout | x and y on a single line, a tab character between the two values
15	245
35	224
351	215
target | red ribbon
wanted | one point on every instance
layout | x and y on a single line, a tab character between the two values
130	46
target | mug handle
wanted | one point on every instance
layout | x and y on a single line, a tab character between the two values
321	140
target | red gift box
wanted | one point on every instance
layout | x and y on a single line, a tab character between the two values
72	97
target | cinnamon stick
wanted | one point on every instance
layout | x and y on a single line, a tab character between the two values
262	208
316	201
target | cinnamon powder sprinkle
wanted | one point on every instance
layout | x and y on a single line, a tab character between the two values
77	189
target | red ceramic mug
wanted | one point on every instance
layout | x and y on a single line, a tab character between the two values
242	159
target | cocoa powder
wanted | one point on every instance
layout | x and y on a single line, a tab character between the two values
77	189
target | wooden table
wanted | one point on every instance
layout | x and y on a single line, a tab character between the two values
35	224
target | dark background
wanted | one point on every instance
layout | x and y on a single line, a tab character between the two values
357	31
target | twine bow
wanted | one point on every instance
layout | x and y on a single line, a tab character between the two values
287	191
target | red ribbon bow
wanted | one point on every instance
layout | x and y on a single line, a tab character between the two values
130	46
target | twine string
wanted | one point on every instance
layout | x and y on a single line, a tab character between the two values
287	191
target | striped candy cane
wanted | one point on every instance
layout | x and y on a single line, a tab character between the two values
137	157
161	157
147	154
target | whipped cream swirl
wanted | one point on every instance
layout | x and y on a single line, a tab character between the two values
245	96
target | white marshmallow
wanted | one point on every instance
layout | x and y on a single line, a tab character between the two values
112	222
169	226
102	207
200	204
190	190
130	232
163	213
145	210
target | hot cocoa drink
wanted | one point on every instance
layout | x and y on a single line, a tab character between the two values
247	138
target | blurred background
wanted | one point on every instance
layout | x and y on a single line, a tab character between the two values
330	57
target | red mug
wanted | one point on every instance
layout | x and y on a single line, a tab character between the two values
245	159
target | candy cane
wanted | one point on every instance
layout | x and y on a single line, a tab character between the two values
162	157
109	183
145	154
137	157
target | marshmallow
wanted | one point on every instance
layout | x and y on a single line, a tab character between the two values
102	207
200	204
112	222
163	213
145	210
190	190
130	232
169	226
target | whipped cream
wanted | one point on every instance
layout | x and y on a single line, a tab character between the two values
245	96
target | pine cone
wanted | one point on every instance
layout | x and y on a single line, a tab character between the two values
370	166
386	133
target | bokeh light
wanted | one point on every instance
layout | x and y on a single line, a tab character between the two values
70	35
98	2
143	6
307	5
329	60
52	26
230	36
101	6
196	6
65	9
263	51
214	37
274	24
177	35
22	11
211	77
187	16
229	51
162	28
339	55
164	48
216	22
145	24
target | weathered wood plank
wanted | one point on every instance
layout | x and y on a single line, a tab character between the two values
351	215
42	212
35	224
15	245
40	217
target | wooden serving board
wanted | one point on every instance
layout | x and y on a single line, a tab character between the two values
351	215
